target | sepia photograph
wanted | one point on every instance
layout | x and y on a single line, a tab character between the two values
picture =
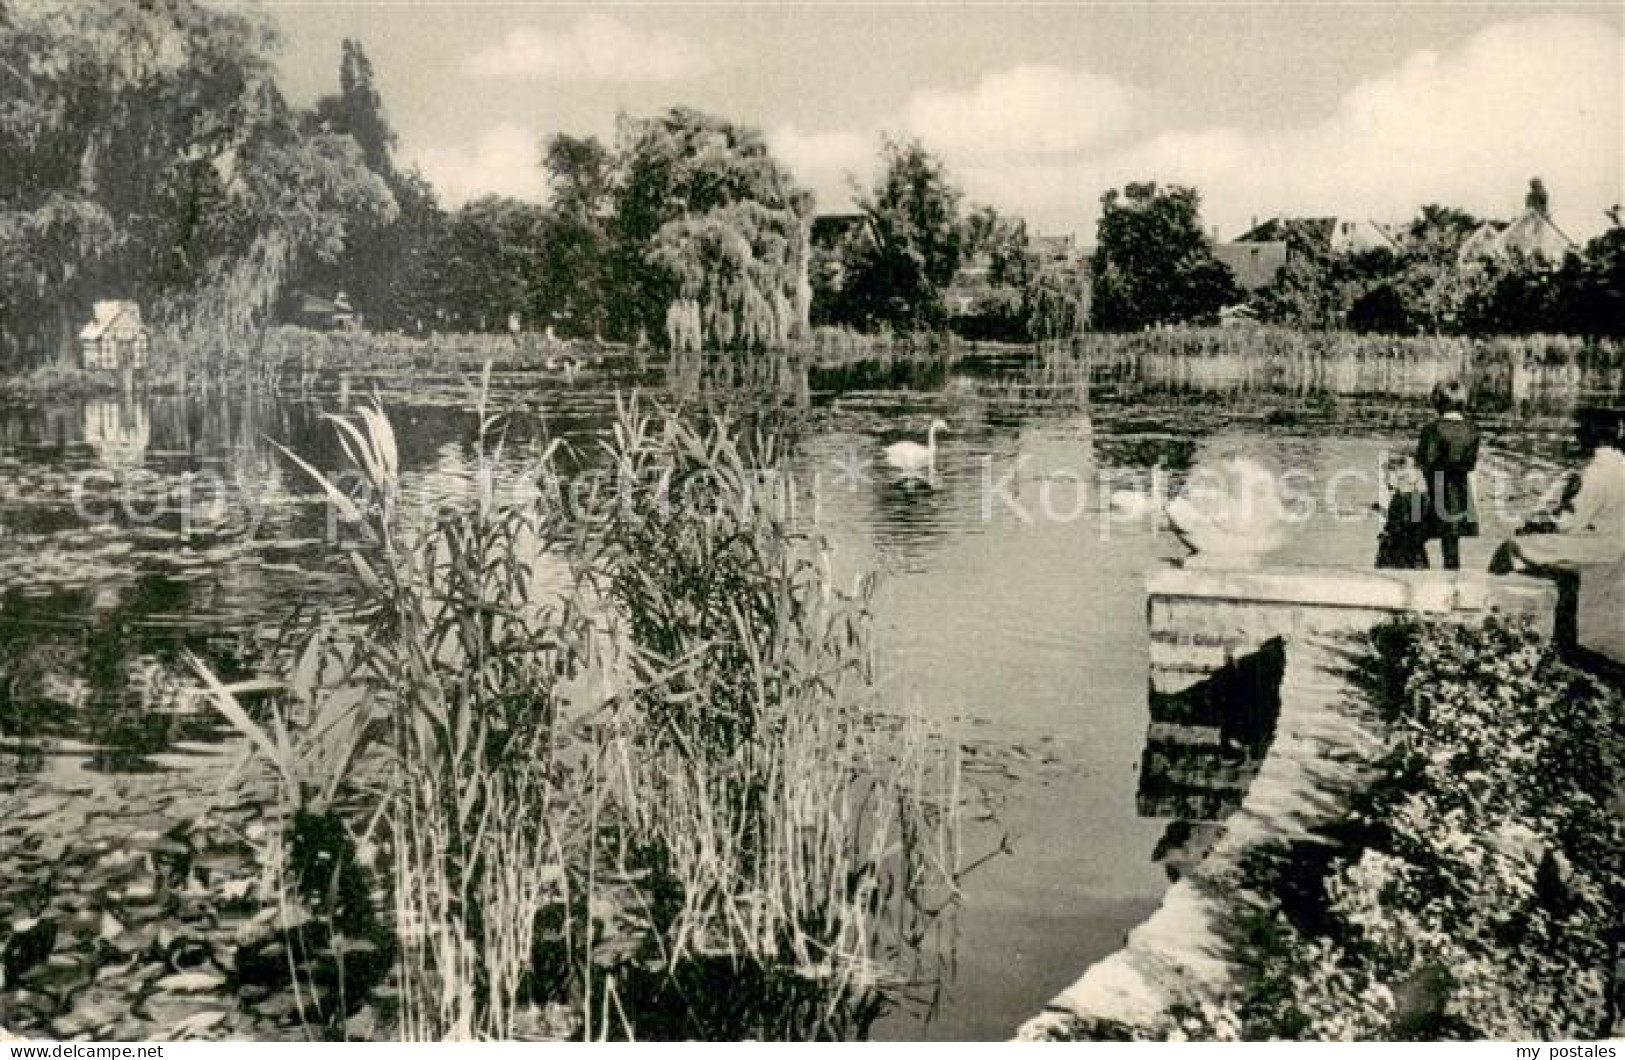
812	521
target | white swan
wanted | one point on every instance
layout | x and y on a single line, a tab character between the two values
912	456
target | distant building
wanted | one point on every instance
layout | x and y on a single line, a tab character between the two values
1357	237
1254	264
323	314
115	338
1336	235
1058	254
1533	236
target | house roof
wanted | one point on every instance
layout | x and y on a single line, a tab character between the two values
104	315
1533	235
1254	264
1339	234
1280	229
1351	235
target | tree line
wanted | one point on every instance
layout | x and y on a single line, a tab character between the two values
1422	282
146	152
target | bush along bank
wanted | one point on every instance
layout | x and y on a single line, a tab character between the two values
1477	892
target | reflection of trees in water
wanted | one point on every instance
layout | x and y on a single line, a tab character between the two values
101	666
781	374
119	430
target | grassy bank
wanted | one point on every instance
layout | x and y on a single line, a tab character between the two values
1500	371
609	766
1478	890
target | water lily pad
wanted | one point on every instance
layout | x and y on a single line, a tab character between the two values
191	982
197	1024
91	1012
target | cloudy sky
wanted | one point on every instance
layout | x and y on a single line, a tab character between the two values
1360	109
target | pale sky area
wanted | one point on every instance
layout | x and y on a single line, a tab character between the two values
1360	110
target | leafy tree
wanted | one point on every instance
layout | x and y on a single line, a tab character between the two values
1306	293
490	263
698	193
898	272
1054	308
358	109
576	246
1005	242
730	265
145	152
1154	264
1595	300
386	269
1537	199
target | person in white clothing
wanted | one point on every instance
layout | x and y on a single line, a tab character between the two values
1582	546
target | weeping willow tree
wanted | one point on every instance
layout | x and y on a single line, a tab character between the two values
712	232
303	194
739	272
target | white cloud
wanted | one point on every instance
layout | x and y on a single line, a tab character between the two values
1025	109
595	48
1468	126
503	159
826	161
1541	97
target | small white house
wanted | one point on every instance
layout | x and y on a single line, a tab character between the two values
115	338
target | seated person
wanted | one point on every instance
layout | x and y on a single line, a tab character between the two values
1582	546
1403	500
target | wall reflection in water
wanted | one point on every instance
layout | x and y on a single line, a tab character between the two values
1202	749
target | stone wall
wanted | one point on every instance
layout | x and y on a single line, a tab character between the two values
1320	733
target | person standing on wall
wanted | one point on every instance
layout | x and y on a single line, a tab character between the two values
1447	454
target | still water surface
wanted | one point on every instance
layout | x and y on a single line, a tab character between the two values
1011	606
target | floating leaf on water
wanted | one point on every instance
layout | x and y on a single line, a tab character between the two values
190	982
91	1011
197	1023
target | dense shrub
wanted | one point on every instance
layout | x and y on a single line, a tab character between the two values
1486	898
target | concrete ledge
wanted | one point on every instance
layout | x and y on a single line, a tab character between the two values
1326	743
1417	592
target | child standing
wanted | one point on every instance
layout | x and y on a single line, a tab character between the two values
1447	454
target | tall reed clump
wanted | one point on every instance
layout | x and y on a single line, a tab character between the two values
802	838
656	797
447	702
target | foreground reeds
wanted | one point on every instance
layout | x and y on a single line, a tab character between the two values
606	768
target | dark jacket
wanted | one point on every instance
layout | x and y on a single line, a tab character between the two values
1447	454
1402	544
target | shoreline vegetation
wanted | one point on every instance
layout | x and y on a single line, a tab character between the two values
619	768
1475	888
617	771
1502	371
1483	896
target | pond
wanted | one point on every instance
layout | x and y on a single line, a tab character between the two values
1010	609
